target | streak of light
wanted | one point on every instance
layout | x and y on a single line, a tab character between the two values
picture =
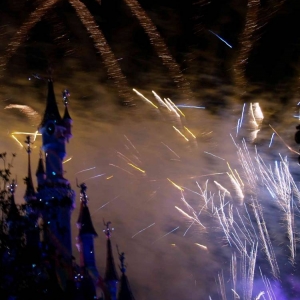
189	132
220	38
131	144
160	101
222	188
109	177
239	177
166	234
160	47
137	168
109	60
67	160
292	150
242	116
85	170
214	155
143	230
201	246
238	127
174	245
35	134
188	216
147	100
94	177
170	149
121	169
181	133
271	139
174	105
236	294
176	185
171	106
21	145
104	205
190	106
20	36
259	295
124	157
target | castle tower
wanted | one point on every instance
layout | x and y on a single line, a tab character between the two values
30	194
54	191
125	290
86	235
111	277
67	121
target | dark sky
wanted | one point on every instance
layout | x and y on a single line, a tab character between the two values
109	135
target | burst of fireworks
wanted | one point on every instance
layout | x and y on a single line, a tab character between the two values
160	47
101	44
22	33
33	115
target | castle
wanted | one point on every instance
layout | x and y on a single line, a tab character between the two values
45	222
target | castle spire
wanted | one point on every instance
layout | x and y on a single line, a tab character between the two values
51	112
29	193
125	290
86	235
67	120
111	277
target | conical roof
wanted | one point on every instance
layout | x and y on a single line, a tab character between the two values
40	169
85	221
125	291
30	192
66	114
51	111
110	270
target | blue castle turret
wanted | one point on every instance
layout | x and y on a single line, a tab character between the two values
111	277
54	191
86	235
125	292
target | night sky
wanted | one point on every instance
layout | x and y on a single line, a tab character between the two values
115	129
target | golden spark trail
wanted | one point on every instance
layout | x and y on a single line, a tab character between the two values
201	246
28	111
67	160
181	133
160	47
176	185
160	101
174	105
246	43
189	132
101	44
17	141
21	35
147	100
137	168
